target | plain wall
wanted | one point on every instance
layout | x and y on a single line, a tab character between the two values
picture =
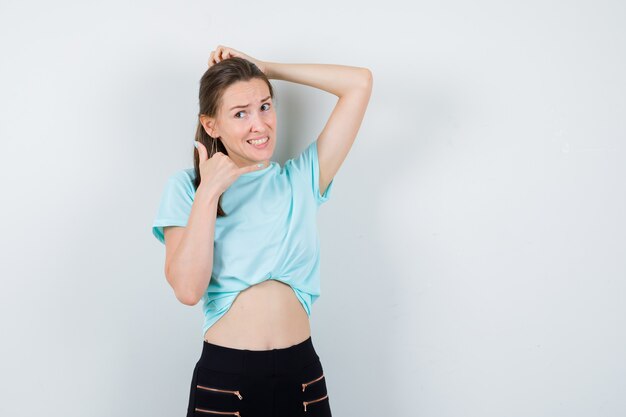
472	249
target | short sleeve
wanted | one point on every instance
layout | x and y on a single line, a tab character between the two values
176	201
307	165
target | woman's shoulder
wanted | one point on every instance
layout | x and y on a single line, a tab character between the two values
185	175
181	181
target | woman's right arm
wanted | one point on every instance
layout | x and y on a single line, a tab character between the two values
189	250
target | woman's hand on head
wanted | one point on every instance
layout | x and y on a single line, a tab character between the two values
224	52
219	171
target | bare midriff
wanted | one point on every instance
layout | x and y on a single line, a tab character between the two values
265	316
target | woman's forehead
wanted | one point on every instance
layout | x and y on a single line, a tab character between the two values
246	92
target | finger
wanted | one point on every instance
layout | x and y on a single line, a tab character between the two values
250	168
224	53
203	154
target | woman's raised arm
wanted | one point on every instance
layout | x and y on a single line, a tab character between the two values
353	86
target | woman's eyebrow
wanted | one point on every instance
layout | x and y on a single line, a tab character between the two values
246	105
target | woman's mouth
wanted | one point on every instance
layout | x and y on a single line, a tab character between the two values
259	143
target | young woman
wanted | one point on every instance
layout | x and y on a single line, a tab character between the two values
240	235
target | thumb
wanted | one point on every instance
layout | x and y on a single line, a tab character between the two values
203	154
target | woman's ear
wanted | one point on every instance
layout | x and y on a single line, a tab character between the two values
209	125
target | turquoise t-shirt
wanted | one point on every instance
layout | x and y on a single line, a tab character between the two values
269	232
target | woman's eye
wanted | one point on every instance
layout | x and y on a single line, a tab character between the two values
264	104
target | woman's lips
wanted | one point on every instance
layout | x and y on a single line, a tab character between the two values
260	146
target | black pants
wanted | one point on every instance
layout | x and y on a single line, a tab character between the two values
286	382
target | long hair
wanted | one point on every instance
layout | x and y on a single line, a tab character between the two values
212	86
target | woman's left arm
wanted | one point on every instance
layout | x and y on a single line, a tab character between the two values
353	86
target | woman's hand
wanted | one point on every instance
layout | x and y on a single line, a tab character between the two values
223	52
219	171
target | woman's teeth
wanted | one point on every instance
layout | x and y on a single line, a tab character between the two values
258	141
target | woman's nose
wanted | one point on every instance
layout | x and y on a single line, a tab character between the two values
256	120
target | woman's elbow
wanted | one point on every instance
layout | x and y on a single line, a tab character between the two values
368	77
184	294
187	298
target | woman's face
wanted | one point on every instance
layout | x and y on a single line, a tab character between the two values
247	112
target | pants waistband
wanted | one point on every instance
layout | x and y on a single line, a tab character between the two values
281	361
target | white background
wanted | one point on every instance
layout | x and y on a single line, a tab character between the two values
472	249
